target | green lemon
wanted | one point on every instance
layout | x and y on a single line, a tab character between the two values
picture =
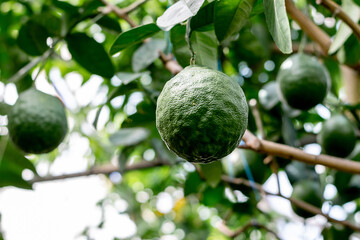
337	136
201	114
309	192
37	122
303	81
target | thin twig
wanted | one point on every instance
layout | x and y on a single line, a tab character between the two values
285	151
170	64
338	11
26	69
234	233
101	170
133	6
119	12
254	107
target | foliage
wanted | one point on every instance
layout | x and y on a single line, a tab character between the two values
79	46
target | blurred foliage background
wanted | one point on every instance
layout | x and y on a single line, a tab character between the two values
65	46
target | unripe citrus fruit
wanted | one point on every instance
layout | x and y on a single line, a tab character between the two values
201	114
37	122
337	136
309	192
303	81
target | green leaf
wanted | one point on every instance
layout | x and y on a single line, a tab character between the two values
127	77
14	159
278	24
344	32
12	165
67	7
109	23
178	12
206	49
212	172
352	50
129	136
297	171
126	88
139	120
230	16
147	54
180	48
213	196
192	183
124	157
335	75
288	131
203	18
123	89
13	179
257	8
90	54
133	36
32	38
4	108
48	20
144	116
162	151
24	83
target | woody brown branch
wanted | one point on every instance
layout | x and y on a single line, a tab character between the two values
338	11
311	29
145	165
252	142
285	151
119	12
106	169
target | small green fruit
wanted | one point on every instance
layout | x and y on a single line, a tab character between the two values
201	114
303	81
309	192
337	136
37	122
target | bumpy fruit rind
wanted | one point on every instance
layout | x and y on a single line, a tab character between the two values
201	114
37	122
303	81
337	136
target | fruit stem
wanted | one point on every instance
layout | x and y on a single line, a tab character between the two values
188	41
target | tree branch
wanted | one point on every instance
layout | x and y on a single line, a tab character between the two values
337	11
252	142
121	13
304	205
314	32
285	151
133	6
102	170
